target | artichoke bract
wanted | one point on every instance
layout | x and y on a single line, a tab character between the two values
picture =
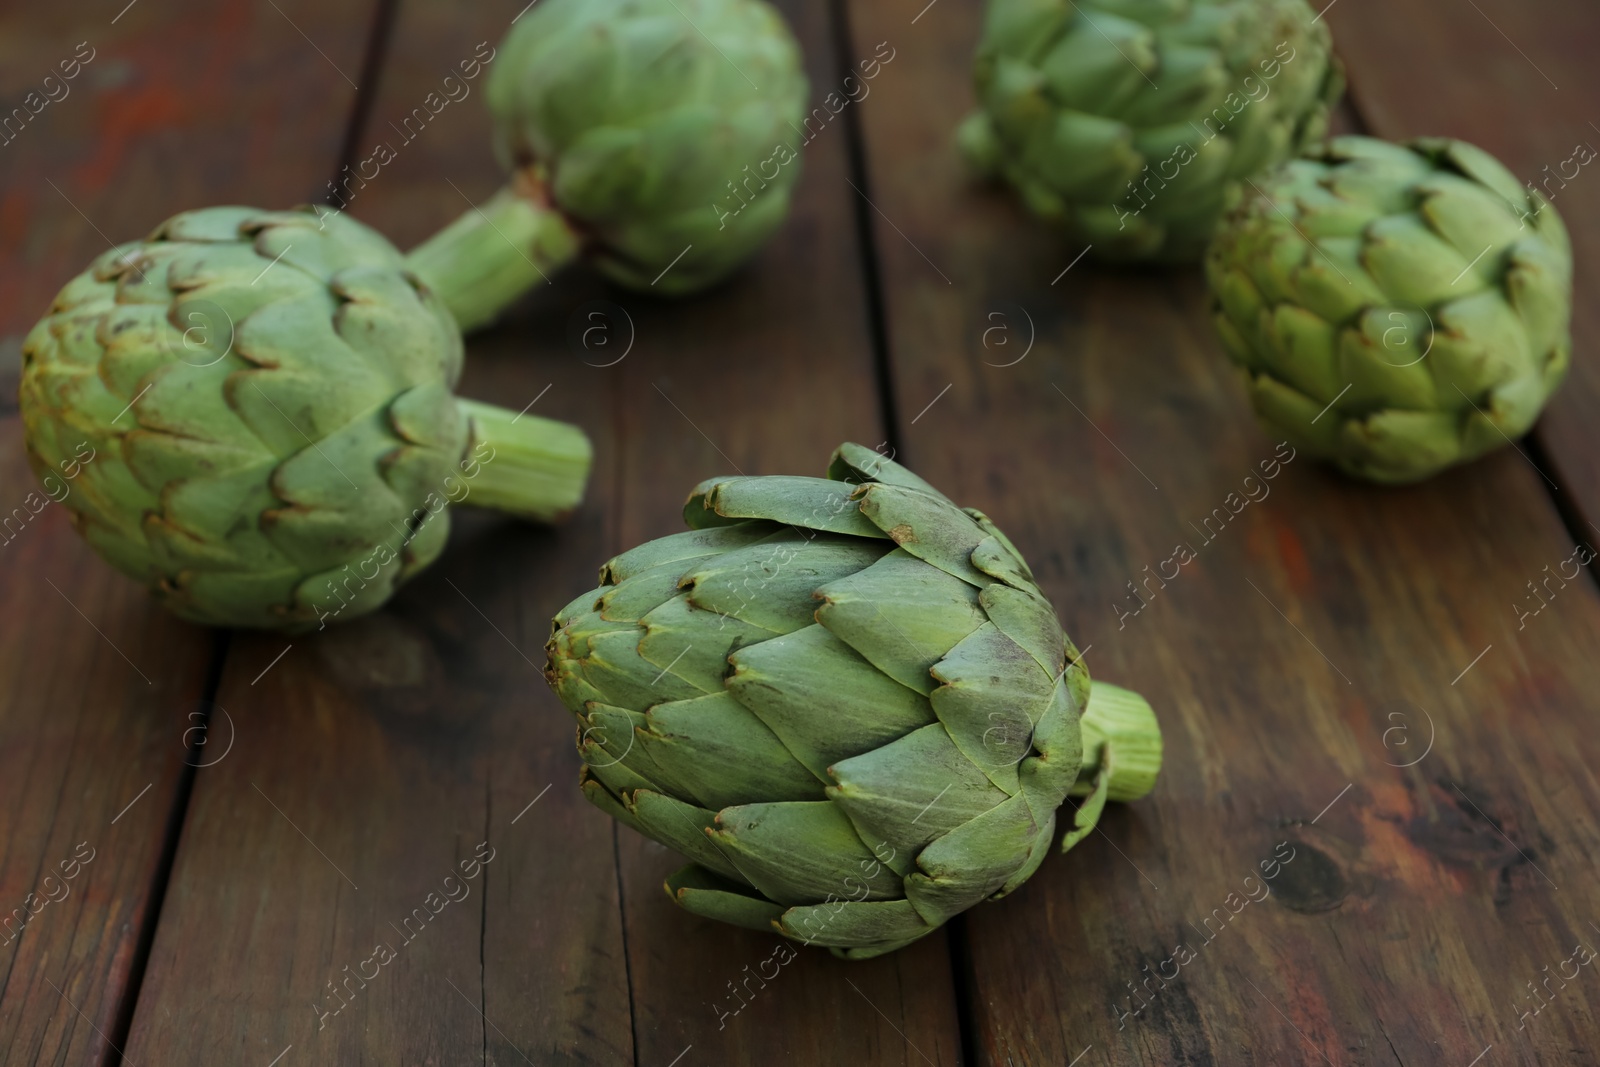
1129	122
267	401
846	701
656	136
1396	309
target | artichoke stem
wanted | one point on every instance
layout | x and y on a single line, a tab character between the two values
1120	724
492	255
526	466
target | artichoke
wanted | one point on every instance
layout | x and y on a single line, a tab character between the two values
1130	122
658	136
846	701
1396	308
257	407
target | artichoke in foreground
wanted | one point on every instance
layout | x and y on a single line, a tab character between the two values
656	136
846	701
1130	124
267	402
1396	308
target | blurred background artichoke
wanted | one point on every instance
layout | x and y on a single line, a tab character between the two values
1130	122
660	137
1396	308
258	409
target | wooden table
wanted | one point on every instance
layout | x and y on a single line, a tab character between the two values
1341	670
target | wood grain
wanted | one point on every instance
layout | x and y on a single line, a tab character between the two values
1320	636
170	108
395	745
1519	80
766	376
1360	673
397	742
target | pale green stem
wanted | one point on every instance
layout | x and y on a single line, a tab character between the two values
526	466
492	255
1121	755
1119	726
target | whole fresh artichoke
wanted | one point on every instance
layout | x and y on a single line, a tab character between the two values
658	136
846	701
260	406
1129	122
1396	308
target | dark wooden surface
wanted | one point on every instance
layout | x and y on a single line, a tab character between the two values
184	102
1329	635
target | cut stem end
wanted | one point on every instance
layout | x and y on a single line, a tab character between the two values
1120	732
530	467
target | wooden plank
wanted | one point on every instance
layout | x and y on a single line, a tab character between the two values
90	723
381	753
1319	638
768	375
1518	80
552	981
398	742
166	109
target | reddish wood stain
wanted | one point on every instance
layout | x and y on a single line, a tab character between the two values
1292	554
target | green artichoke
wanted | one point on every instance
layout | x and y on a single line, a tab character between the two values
1130	122
259	406
659	136
846	701
1396	308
